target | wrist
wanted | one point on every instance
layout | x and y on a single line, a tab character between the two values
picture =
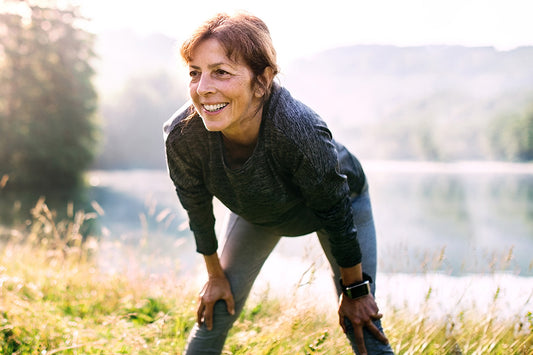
214	269
352	274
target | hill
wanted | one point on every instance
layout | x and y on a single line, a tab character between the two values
383	102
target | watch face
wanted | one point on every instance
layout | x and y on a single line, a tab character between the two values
357	291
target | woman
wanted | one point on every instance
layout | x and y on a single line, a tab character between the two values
272	161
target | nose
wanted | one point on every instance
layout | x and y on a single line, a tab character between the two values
205	85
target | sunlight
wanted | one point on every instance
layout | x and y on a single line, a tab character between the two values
16	8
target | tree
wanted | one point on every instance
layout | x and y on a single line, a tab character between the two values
511	135
48	131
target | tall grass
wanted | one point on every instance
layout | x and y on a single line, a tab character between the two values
54	299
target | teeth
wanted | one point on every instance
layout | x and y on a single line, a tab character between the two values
212	108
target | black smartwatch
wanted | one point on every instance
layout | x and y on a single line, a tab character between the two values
356	290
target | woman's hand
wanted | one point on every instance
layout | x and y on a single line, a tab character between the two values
216	288
361	312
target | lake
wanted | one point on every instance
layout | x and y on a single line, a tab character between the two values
452	218
455	218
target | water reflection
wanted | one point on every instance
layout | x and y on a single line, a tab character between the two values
481	222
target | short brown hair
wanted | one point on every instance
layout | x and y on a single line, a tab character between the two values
243	36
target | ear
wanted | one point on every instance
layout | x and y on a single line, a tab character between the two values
264	81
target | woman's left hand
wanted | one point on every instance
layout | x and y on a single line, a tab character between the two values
216	288
361	312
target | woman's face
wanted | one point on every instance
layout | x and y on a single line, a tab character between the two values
222	91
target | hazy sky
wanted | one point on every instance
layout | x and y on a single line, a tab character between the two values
303	27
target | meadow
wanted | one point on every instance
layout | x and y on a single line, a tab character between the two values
55	299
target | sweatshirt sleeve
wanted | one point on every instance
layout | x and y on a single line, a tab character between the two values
186	174
314	167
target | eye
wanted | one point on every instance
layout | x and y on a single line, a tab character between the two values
221	72
194	74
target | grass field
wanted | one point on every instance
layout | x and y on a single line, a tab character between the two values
54	299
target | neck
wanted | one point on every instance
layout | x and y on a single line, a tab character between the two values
237	153
246	135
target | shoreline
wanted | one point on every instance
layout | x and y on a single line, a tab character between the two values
451	167
500	295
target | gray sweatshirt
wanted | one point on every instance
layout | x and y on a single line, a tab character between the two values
297	170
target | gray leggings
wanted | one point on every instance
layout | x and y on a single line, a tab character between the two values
246	249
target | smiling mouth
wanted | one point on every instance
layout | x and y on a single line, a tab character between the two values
215	108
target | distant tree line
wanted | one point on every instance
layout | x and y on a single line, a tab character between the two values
505	133
48	128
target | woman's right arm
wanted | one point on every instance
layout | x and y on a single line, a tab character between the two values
185	169
216	288
184	162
